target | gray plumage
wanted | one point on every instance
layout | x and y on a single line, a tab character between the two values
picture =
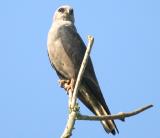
66	50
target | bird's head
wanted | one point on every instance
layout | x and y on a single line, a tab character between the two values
64	13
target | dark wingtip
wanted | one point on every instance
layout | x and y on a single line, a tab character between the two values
114	132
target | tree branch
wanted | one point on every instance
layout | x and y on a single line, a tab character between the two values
120	115
82	69
74	109
73	98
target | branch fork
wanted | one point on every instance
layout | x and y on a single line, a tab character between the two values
74	108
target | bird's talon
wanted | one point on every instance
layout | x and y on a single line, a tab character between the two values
68	85
62	83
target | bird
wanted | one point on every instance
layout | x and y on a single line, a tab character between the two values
66	50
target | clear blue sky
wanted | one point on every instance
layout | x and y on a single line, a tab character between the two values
126	58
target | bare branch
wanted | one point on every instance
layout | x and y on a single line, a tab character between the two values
120	115
73	98
81	70
74	115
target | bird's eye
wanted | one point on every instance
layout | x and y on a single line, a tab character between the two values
61	10
71	11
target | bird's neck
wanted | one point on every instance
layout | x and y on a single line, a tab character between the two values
62	23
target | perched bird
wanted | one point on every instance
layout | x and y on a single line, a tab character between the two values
66	50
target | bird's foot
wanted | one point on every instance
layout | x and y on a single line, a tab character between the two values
68	85
63	82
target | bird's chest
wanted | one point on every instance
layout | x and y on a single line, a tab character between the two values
59	57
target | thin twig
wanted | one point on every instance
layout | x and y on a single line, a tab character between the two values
73	98
120	115
82	69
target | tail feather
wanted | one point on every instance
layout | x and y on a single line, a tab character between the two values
108	125
87	97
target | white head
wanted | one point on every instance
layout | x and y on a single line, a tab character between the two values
64	13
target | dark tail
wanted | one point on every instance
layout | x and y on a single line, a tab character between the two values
108	125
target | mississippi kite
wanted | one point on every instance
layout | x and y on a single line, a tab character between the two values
66	50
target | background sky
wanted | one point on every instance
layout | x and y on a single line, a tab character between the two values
126	58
